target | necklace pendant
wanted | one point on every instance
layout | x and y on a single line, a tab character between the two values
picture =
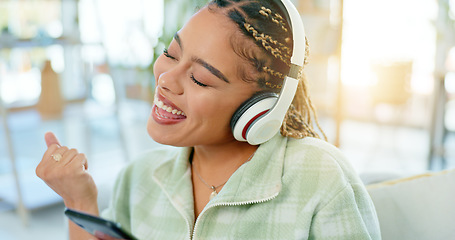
214	193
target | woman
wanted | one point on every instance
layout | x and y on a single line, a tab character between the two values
293	186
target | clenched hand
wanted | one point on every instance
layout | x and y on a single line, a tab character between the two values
65	171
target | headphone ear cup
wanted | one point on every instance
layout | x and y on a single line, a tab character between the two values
250	110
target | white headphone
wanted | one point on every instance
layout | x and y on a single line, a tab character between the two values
259	118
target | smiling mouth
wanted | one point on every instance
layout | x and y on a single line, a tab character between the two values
167	111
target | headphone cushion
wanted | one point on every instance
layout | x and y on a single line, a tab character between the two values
248	104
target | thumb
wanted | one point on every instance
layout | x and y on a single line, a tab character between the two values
50	139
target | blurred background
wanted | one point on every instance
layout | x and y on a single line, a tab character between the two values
381	74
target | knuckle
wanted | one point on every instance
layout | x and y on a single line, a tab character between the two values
82	156
54	146
41	172
50	150
73	151
38	172
45	175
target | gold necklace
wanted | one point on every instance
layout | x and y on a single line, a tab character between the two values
213	187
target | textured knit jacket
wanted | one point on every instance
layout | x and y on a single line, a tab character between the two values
291	189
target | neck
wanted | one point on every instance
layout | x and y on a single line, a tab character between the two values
218	163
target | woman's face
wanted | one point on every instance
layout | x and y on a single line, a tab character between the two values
198	87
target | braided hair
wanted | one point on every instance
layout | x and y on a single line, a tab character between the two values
263	23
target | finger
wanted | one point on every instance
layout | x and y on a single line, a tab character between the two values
69	155
59	151
53	148
50	139
49	162
84	162
78	161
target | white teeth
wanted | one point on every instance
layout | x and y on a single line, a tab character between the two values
168	109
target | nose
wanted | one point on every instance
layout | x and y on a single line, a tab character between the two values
169	81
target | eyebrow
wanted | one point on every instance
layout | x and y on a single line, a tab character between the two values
203	63
177	39
211	68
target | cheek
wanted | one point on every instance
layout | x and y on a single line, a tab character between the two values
217	109
159	67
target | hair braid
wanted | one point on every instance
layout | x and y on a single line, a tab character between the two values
282	46
278	19
298	121
276	52
273	72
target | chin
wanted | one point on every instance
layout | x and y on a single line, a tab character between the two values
158	137
162	137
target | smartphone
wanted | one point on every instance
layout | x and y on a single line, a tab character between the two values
93	224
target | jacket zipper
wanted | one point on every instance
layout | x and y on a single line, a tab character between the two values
229	204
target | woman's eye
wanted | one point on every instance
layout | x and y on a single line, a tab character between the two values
197	82
166	54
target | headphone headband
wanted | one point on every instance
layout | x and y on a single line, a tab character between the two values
298	33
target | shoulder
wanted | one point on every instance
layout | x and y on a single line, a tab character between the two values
317	163
316	152
313	147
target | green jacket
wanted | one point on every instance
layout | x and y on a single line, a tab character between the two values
291	189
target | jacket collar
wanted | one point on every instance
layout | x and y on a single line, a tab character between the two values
173	176
255	181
